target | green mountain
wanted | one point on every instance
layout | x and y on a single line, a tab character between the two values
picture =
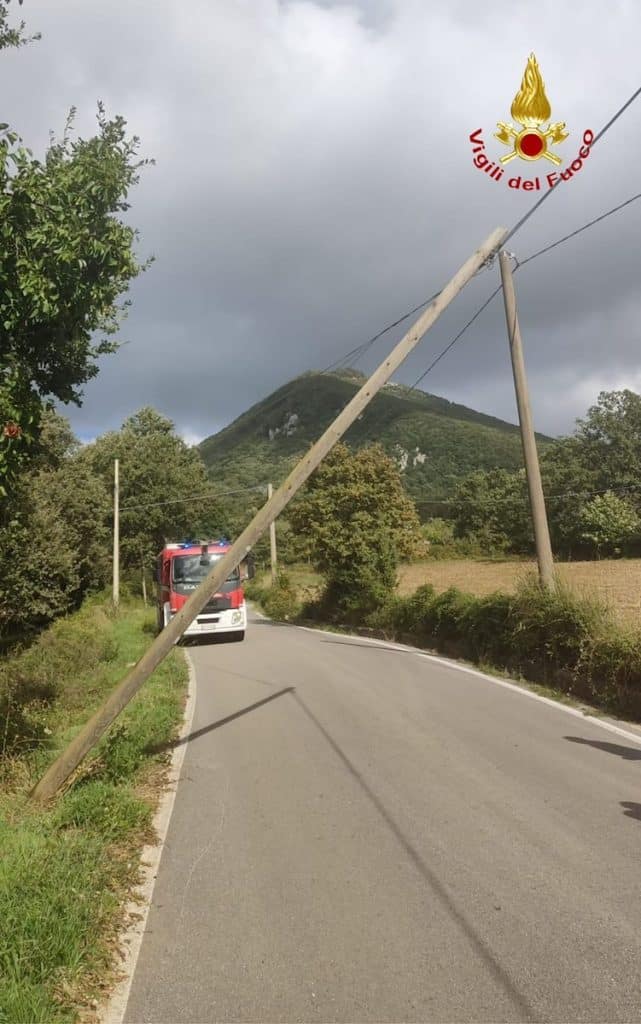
434	442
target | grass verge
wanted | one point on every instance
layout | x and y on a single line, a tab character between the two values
66	871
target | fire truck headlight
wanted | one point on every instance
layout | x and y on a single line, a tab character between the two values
236	618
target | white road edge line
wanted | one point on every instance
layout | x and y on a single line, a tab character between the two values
131	940
592	719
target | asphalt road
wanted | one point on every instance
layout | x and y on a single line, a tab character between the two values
363	834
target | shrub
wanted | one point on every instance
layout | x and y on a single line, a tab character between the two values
280	601
554	637
489	627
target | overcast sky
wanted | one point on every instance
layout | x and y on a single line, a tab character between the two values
314	180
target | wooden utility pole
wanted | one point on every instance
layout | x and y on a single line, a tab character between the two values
144	580
272	540
90	734
530	454
116	555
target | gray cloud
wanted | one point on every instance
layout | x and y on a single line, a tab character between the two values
314	180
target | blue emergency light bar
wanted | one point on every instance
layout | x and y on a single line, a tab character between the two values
197	543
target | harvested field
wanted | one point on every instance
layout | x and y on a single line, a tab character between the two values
618	582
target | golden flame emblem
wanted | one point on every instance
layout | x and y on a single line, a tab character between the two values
531	109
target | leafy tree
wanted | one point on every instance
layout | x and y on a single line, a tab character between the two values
66	257
12	35
493	508
608	523
359	523
609	439
38	573
568	482
54	535
165	493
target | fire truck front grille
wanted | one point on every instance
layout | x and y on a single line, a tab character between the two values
217	604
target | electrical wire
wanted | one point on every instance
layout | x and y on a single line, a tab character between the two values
519	264
454	340
362	349
194	497
522	498
519	224
584	227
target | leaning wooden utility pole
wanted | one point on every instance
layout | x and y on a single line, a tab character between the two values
530	454
116	555
89	735
272	540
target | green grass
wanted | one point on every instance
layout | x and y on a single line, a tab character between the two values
65	871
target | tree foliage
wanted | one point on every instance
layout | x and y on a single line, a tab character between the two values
608	523
592	483
359	523
492	508
54	534
66	257
12	35
165	493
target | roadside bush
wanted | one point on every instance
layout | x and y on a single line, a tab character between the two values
443	544
556	638
280	601
611	669
552	630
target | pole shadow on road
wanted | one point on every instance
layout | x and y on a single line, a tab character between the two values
627	753
161	748
478	943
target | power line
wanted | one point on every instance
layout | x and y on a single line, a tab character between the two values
193	497
454	340
362	349
519	224
519	264
522	498
584	227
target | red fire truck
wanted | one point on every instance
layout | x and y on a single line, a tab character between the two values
181	568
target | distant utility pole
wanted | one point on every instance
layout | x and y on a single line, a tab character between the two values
144	580
87	738
116	556
272	540
530	454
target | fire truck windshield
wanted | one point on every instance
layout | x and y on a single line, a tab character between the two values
187	569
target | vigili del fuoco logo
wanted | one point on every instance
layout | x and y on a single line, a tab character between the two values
530	139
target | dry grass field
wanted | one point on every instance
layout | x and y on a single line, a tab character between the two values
617	583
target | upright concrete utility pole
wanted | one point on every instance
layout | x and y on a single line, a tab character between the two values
100	721
116	555
272	540
530	454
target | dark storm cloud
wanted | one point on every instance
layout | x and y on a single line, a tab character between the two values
314	180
